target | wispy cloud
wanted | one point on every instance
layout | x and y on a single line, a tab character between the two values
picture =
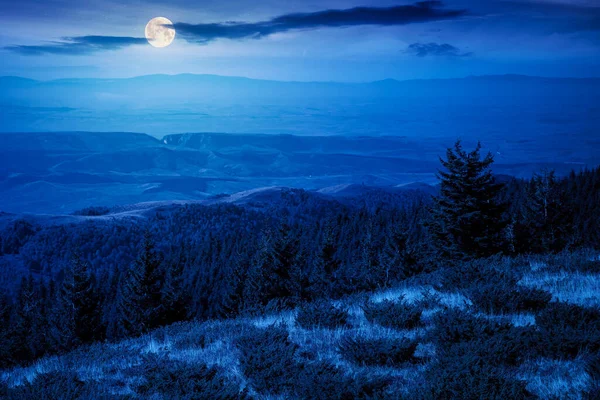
549	16
78	45
435	49
424	11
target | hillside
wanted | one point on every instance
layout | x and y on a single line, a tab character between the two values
348	292
43	243
353	347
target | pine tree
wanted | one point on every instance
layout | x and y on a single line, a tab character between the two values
254	297
153	280
325	265
399	258
111	293
466	217
77	314
28	339
237	276
6	309
275	278
371	271
139	307
548	216
174	298
130	302
285	277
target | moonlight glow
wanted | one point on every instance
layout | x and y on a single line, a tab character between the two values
158	34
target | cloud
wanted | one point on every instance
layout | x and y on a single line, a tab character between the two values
78	45
435	49
423	11
550	16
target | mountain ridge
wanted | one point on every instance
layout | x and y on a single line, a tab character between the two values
493	105
519	77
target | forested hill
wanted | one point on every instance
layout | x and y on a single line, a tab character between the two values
111	274
109	238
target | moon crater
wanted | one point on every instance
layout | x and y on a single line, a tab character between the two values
158	34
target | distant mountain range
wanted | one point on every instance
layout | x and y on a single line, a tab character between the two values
177	90
473	107
203	78
62	172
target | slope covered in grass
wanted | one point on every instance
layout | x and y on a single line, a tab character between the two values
423	339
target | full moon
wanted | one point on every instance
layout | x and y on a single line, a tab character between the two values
158	34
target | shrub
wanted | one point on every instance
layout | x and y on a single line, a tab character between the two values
93	211
454	326
473	353
588	266
16	235
474	273
321	315
430	299
511	347
191	341
498	343
574	262
593	369
268	359
391	314
593	392
3	389
51	385
571	315
500	297
180	380
383	352
468	377
568	330
322	380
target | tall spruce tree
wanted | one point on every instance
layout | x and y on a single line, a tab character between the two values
286	278
275	278
467	217
27	334
174	299
139	303
6	309
76	318
548	216
321	279
369	269
233	296
399	257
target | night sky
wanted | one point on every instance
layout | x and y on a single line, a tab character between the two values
341	40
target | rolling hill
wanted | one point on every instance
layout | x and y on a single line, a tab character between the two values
61	172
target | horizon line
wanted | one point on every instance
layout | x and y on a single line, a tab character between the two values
472	76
